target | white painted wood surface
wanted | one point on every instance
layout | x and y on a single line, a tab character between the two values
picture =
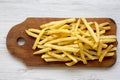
13	12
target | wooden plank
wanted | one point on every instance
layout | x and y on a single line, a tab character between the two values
25	52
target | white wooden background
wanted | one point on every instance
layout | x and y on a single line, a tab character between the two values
15	11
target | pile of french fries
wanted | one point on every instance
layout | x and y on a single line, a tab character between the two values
73	40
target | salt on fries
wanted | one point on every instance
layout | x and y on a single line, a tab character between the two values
71	41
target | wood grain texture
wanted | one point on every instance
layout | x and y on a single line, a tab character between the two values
15	11
25	51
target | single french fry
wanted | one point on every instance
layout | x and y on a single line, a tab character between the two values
77	24
110	54
59	24
103	24
42	51
34	30
65	43
63	39
94	53
70	63
97	31
105	28
31	34
57	51
107	55
62	48
57	56
99	48
73	45
108	37
104	53
114	49
95	58
70	20
108	40
55	60
49	24
58	31
45	40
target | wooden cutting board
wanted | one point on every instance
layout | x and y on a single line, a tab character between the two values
25	52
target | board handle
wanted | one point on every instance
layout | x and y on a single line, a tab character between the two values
17	40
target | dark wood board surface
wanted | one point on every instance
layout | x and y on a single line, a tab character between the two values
25	52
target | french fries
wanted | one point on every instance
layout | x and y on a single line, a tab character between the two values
72	41
38	38
90	29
